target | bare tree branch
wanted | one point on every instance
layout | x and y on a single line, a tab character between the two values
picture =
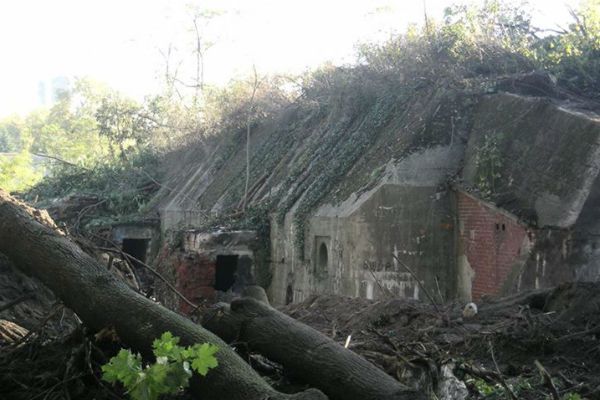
59	159
249	118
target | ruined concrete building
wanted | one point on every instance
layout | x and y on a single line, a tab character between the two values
471	195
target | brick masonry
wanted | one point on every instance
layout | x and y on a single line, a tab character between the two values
195	279
492	241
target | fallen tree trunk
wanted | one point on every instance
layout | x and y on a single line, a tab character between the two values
312	356
38	248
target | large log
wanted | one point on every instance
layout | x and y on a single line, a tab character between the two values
39	249
307	353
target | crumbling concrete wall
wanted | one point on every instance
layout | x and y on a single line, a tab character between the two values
584	243
570	254
551	261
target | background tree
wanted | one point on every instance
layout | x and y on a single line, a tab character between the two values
574	54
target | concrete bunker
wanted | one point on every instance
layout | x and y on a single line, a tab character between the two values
431	209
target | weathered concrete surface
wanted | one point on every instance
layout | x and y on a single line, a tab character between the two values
394	220
189	174
224	243
425	168
134	231
562	255
549	155
551	261
583	246
405	214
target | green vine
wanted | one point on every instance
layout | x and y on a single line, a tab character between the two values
488	164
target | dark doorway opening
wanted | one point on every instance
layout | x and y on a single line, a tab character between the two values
136	248
225	272
289	295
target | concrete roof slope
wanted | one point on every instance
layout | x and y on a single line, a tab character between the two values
311	153
188	173
199	175
533	157
423	168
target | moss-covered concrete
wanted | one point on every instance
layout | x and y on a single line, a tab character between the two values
549	156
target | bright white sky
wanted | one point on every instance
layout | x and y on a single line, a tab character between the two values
118	41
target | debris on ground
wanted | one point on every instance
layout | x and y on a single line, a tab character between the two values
44	352
535	345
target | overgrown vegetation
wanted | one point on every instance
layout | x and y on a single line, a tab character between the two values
92	142
416	83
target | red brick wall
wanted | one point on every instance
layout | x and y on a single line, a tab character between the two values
492	242
195	279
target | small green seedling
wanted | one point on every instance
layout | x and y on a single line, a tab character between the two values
168	375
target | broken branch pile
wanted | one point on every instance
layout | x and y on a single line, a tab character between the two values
557	328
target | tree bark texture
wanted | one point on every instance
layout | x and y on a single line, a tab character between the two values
308	354
38	248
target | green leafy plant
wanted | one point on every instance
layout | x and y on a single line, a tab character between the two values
485	389
18	171
169	374
571	396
